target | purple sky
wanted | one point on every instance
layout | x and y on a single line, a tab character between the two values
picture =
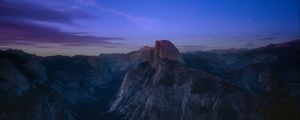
91	27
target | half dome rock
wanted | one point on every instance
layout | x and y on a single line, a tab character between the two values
171	91
165	50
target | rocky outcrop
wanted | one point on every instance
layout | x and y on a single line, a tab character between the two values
35	71
86	83
165	50
24	93
170	91
13	83
270	74
58	87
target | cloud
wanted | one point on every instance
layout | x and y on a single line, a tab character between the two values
86	1
23	43
25	10
18	26
186	48
249	45
279	33
20	32
141	21
144	22
267	38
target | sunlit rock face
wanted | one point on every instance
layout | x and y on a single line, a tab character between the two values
170	91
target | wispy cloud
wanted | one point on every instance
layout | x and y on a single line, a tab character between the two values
189	48
22	43
18	31
249	45
29	11
278	33
18	26
267	38
141	21
144	22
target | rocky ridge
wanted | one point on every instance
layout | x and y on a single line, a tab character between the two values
167	90
154	83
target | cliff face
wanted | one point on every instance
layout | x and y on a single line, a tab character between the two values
271	74
165	50
170	91
24	93
58	87
13	83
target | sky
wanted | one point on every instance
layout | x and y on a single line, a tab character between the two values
91	27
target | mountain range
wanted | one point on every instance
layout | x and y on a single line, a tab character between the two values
153	83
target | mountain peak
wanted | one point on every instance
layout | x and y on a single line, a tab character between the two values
145	49
165	49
